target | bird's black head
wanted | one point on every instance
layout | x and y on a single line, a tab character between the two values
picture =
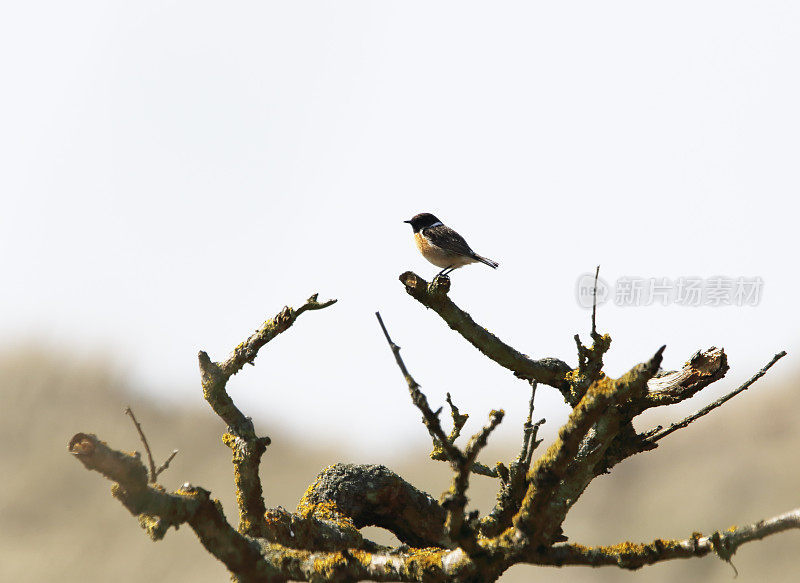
421	221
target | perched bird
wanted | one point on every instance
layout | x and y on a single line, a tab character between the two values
442	246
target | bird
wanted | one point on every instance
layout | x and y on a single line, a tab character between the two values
442	246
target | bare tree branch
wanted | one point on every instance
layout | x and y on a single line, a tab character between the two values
166	463
359	496
454	500
247	558
560	475
515	478
251	560
246	447
636	555
438	453
549	371
703	368
529	432
153	473
162	509
419	399
459	421
215	375
719	402
590	358
321	541
594	303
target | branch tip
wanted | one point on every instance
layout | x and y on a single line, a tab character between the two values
594	304
656	436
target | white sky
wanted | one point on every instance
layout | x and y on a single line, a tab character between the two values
175	172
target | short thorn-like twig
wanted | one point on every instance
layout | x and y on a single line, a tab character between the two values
459	419
722	400
479	440
166	463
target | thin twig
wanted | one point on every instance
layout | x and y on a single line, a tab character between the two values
165	465
590	358
530	429
594	303
478	441
455	499
636	555
430	418
534	384
533	443
247	351
711	406
459	419
153	473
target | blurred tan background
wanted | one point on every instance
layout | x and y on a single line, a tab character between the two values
58	522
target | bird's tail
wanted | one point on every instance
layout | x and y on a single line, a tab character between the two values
489	262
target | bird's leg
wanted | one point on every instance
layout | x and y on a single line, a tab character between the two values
442	272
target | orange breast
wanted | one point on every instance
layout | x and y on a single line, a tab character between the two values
438	256
422	243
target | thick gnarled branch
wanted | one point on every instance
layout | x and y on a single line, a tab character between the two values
357	496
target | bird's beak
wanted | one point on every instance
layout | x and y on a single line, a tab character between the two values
407	221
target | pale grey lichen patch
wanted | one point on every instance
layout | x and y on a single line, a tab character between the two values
451	560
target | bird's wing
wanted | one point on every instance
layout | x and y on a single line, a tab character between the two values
446	238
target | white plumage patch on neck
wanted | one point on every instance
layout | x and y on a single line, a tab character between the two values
436	224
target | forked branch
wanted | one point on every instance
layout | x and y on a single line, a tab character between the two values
246	447
154	471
